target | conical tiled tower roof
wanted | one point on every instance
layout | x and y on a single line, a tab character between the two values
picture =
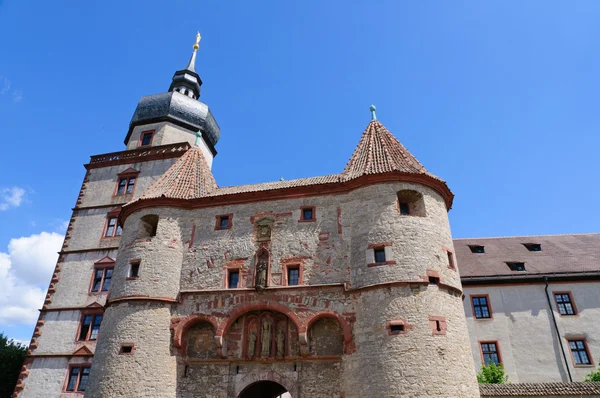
380	152
188	178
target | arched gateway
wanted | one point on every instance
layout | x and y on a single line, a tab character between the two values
264	389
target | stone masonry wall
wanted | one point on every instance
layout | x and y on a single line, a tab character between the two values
333	249
151	370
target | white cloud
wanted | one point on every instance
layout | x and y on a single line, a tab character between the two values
33	257
11	197
17	95
5	83
25	272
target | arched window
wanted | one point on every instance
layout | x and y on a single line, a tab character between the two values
148	226
326	338
411	203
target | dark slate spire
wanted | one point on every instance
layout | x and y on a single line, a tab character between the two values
186	81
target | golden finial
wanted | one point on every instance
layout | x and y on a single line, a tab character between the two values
197	44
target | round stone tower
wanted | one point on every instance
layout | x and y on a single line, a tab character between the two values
410	331
137	319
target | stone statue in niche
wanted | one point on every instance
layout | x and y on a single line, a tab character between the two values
280	339
262	264
265	339
251	343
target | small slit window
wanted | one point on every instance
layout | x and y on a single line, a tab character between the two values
126	349
434	280
516	266
533	247
396	328
148	226
477	249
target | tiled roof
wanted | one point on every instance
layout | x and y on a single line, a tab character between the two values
576	389
377	152
559	254
267	186
188	178
380	152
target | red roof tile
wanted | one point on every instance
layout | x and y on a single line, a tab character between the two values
380	152
188	178
576	389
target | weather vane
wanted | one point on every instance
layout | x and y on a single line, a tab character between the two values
197	44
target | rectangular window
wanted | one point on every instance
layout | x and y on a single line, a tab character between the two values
379	255
293	276
224	221
307	213
146	138
113	228
481	309
234	277
102	279
404	209
78	378
580	352
134	269
490	353
126	185
396	328
90	324
565	303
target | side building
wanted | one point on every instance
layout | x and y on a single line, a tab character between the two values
532	303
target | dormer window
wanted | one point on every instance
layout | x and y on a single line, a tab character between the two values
533	247
146	138
516	266
478	249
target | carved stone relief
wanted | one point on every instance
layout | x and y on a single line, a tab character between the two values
200	341
267	336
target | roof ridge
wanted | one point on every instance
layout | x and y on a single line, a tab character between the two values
529	236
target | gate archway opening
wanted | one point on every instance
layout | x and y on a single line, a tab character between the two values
264	389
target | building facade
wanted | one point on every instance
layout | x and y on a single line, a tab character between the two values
533	304
345	285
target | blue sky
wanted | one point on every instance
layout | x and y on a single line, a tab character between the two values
498	98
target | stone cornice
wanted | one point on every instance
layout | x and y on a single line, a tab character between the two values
145	154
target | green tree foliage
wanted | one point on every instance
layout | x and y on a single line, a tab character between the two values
594	376
492	374
12	356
